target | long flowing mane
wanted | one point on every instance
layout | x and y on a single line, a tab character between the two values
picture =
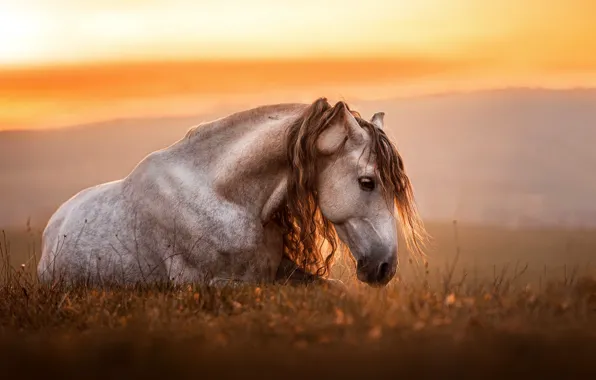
307	230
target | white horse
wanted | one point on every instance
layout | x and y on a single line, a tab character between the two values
250	197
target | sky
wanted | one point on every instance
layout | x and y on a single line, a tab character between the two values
71	61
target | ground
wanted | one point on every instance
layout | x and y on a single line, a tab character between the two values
450	317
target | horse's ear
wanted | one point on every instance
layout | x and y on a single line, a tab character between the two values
377	119
342	127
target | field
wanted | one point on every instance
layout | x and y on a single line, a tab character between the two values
491	302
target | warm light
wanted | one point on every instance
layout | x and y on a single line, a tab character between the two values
55	31
22	34
66	30
386	47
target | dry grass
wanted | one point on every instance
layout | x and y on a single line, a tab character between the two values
437	321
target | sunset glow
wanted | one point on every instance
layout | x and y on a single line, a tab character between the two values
57	31
438	45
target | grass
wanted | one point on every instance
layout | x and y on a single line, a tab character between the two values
459	315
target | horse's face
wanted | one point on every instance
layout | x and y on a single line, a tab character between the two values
351	197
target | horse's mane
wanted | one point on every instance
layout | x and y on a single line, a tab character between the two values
306	229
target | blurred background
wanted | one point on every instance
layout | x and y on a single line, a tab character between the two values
492	104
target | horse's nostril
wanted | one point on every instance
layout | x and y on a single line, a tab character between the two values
360	263
383	271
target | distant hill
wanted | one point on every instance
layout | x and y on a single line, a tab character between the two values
515	156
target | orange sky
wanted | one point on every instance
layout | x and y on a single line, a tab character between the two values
70	61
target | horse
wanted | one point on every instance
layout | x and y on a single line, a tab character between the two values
265	195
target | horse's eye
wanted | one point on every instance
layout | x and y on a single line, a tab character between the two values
366	183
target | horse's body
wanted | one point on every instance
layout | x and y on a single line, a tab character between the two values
199	210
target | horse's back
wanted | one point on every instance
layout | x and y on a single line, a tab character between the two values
79	224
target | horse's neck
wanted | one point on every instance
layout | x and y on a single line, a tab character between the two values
244	155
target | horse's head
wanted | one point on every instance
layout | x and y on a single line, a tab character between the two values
351	196
359	184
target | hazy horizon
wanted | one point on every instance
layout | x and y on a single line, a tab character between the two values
52	97
239	103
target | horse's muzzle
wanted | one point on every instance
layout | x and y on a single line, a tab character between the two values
376	272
